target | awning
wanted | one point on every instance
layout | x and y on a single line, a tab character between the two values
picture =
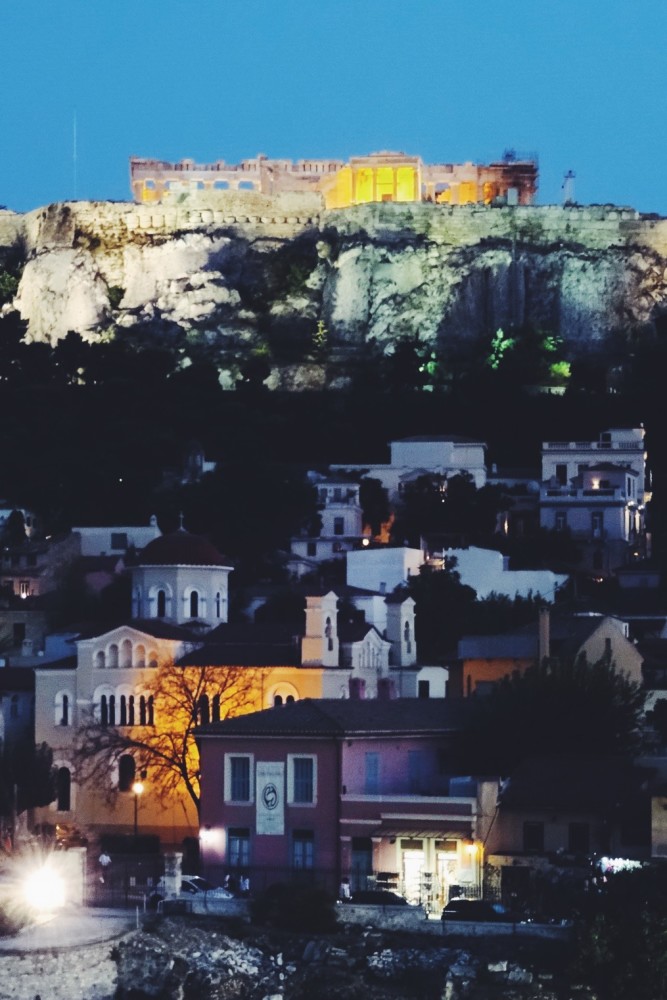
439	829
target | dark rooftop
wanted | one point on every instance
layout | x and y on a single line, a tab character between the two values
348	716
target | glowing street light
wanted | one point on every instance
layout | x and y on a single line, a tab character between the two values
44	890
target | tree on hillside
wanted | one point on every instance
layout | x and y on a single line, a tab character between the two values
571	707
621	940
448	506
27	777
374	504
250	509
14	531
162	743
442	605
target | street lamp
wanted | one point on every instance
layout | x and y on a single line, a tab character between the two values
137	788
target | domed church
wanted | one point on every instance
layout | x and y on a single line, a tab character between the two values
182	579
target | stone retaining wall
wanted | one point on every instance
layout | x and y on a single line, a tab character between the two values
84	973
590	227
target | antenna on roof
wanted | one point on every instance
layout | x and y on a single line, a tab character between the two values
568	188
74	158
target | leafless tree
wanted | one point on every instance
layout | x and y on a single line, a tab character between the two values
157	728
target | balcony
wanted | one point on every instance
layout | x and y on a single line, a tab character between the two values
628	445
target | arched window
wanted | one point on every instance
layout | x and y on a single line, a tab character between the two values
142	710
194	604
149	710
62	709
281	694
113	655
203	713
140	656
104	710
126	772
126	653
130	710
328	634
112	710
63	789
99	662
161	604
152	659
218	605
215	708
406	637
122	721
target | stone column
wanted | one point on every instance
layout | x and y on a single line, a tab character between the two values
173	862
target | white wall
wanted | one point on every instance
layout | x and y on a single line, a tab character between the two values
483	570
98	541
382	570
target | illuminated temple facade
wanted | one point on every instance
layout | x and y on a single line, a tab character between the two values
385	176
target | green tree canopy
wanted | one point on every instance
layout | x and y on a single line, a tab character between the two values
573	707
27	777
621	942
451	507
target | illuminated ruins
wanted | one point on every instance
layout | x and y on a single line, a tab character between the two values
384	176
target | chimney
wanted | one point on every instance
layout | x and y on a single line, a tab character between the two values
357	688
385	689
543	637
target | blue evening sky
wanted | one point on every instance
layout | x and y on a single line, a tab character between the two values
582	83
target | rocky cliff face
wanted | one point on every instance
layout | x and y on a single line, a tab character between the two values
247	274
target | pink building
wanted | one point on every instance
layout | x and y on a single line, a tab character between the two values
327	789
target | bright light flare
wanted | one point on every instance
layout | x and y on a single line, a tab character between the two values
44	890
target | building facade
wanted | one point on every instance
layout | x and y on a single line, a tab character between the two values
378	177
180	592
596	492
322	791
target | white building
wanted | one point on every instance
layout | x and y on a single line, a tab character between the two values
486	571
596	492
116	540
383	569
433	455
563	460
341	525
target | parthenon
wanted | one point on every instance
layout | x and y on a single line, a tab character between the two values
385	176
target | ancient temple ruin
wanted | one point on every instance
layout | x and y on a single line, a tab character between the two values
385	176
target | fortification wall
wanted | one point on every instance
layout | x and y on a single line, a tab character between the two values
592	227
284	216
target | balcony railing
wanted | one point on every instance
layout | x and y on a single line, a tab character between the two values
628	445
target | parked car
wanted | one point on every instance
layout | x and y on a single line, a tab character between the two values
474	909
379	897
191	885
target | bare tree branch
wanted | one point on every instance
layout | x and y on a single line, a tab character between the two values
163	744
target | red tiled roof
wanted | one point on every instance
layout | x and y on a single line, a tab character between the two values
180	548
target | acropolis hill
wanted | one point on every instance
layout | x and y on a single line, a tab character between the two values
253	272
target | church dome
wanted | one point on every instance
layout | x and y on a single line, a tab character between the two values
180	548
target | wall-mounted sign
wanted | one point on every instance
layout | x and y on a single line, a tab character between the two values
270	789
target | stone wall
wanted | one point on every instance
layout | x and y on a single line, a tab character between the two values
591	227
81	973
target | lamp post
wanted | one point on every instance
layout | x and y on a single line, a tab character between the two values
137	788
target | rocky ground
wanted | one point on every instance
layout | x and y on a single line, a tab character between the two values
202	959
